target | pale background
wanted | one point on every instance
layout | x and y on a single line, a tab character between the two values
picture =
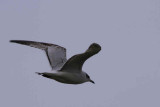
126	71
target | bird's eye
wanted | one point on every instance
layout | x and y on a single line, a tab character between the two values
87	76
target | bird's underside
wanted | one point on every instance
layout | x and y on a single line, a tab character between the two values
64	77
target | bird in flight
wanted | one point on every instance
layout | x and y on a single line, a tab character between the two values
63	70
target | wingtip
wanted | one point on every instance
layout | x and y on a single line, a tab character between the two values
18	41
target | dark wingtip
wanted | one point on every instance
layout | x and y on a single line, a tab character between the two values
20	42
95	46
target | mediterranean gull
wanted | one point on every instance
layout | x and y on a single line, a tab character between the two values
64	71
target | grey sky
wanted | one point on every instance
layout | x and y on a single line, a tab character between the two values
126	71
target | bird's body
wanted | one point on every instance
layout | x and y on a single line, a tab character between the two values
66	77
63	70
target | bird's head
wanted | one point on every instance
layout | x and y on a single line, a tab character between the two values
88	78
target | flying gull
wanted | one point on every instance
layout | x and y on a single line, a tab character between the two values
64	71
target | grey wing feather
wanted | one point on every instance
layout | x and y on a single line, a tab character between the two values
75	63
55	54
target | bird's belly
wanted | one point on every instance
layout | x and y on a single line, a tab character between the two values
69	78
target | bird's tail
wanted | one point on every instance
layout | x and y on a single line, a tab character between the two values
39	73
44	74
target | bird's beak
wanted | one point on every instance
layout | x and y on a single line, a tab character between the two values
92	81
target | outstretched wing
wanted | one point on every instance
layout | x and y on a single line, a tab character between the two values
55	54
75	63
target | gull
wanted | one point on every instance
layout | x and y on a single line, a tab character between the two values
63	70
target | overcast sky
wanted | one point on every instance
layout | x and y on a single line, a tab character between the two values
126	71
